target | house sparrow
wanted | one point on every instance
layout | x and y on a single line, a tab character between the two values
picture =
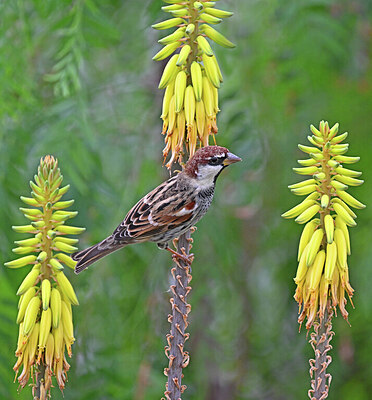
169	210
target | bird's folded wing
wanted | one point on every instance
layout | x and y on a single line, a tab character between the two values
161	210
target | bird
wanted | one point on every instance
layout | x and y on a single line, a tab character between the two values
169	210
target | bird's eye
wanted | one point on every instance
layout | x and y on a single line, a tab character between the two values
214	161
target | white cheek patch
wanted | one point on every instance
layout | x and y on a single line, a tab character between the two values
206	175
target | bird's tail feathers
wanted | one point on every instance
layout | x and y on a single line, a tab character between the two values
90	255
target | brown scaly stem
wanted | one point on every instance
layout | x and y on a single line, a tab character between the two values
38	391
178	357
320	342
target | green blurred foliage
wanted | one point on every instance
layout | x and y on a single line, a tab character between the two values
295	63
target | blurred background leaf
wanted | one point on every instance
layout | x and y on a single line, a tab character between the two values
295	64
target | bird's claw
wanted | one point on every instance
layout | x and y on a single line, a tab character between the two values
186	258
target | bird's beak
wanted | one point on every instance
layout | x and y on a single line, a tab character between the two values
231	159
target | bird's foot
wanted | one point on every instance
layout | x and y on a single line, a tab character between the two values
186	258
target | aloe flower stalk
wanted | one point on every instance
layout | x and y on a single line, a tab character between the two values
46	295
322	276
192	76
191	79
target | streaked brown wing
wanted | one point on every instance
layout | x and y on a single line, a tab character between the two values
164	208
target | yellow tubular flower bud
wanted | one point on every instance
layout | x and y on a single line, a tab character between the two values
26	298
190	29
330	261
31	314
315	131
63	204
42	256
45	293
67	260
23	250
200	117
58	342
32	343
306	235
343	214
304	190
175	36
189	105
211	71
207	97
329	227
172	114
20	262
204	45
179	13
29	281
55	305
218	13
179	90
338	185
346	159
169	91
49	350
169	23
302	267
216	36
30	201
197	80
308	214
166	51
306	182
64	246
345	206
68	328
340	224
347	198
66	288
316	271
323	296
55	264
184	53
306	170
45	325
60	216
210	19
67	240
347	180
27	242
308	149
31	211
21	340
347	172
333	131
297	210
307	162
324	201
341	247
181	127
314	245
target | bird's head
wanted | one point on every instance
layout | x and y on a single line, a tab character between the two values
208	162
